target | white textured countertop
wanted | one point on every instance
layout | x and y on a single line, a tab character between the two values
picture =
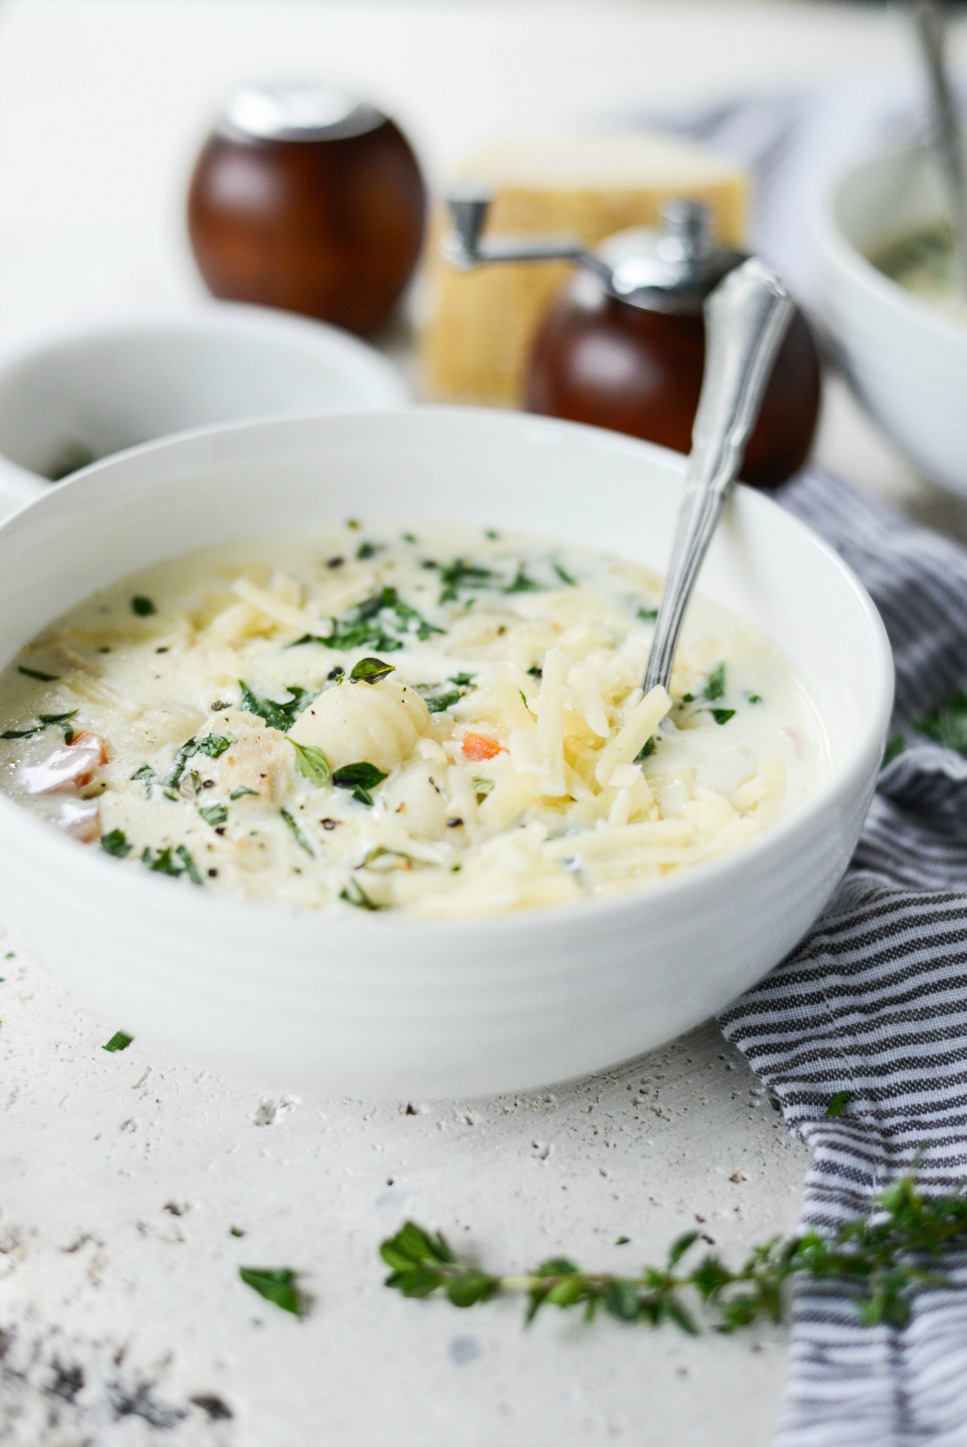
122	1318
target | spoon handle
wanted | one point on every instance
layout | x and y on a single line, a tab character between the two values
746	317
945	137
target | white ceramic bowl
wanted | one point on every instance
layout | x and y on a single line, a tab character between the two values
383	1006
103	389
906	360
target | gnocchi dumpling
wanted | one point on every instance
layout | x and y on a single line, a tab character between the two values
379	722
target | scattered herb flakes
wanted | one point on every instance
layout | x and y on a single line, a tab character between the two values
276	1284
410	538
145	774
44	721
947	724
116	842
715	686
297	833
440	702
646	751
459	576
565	576
837	1103
355	895
279	716
370	670
754	697
360	778
171	861
118	1041
214	814
236	1231
382	623
366	550
522	583
10	955
312	764
143	607
463	680
623	1241
722	715
647	615
36	673
211	745
241	793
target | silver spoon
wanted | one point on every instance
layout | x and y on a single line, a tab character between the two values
746	317
945	136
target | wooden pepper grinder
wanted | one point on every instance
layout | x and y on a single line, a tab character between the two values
305	200
623	345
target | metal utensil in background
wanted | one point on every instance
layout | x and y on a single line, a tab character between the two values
746	318
945	135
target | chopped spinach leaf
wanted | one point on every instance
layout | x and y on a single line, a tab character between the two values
482	787
36	673
521	583
382	623
143	607
118	1041
312	764
442	701
214	814
211	745
241	793
360	778
275	1284
722	715
297	833
463	680
715	687
565	576
647	615
279	716
45	720
116	842
173	862
458	576
646	751
145	774
367	550
754	697
355	894
370	670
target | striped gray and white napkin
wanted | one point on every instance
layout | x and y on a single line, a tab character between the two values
874	1001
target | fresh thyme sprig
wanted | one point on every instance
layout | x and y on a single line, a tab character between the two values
881	1257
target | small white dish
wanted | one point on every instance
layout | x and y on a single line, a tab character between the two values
79	396
905	359
387	1006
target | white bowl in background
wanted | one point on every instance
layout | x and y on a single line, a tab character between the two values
385	1006
103	389
906	360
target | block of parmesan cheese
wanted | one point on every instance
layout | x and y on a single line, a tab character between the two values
479	325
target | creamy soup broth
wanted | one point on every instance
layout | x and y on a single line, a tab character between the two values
446	722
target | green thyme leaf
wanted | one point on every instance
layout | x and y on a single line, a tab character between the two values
143	607
116	842
312	764
214	814
275	1284
36	673
297	833
370	670
118	1041
279	716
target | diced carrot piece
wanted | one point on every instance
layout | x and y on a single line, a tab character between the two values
478	746
92	741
